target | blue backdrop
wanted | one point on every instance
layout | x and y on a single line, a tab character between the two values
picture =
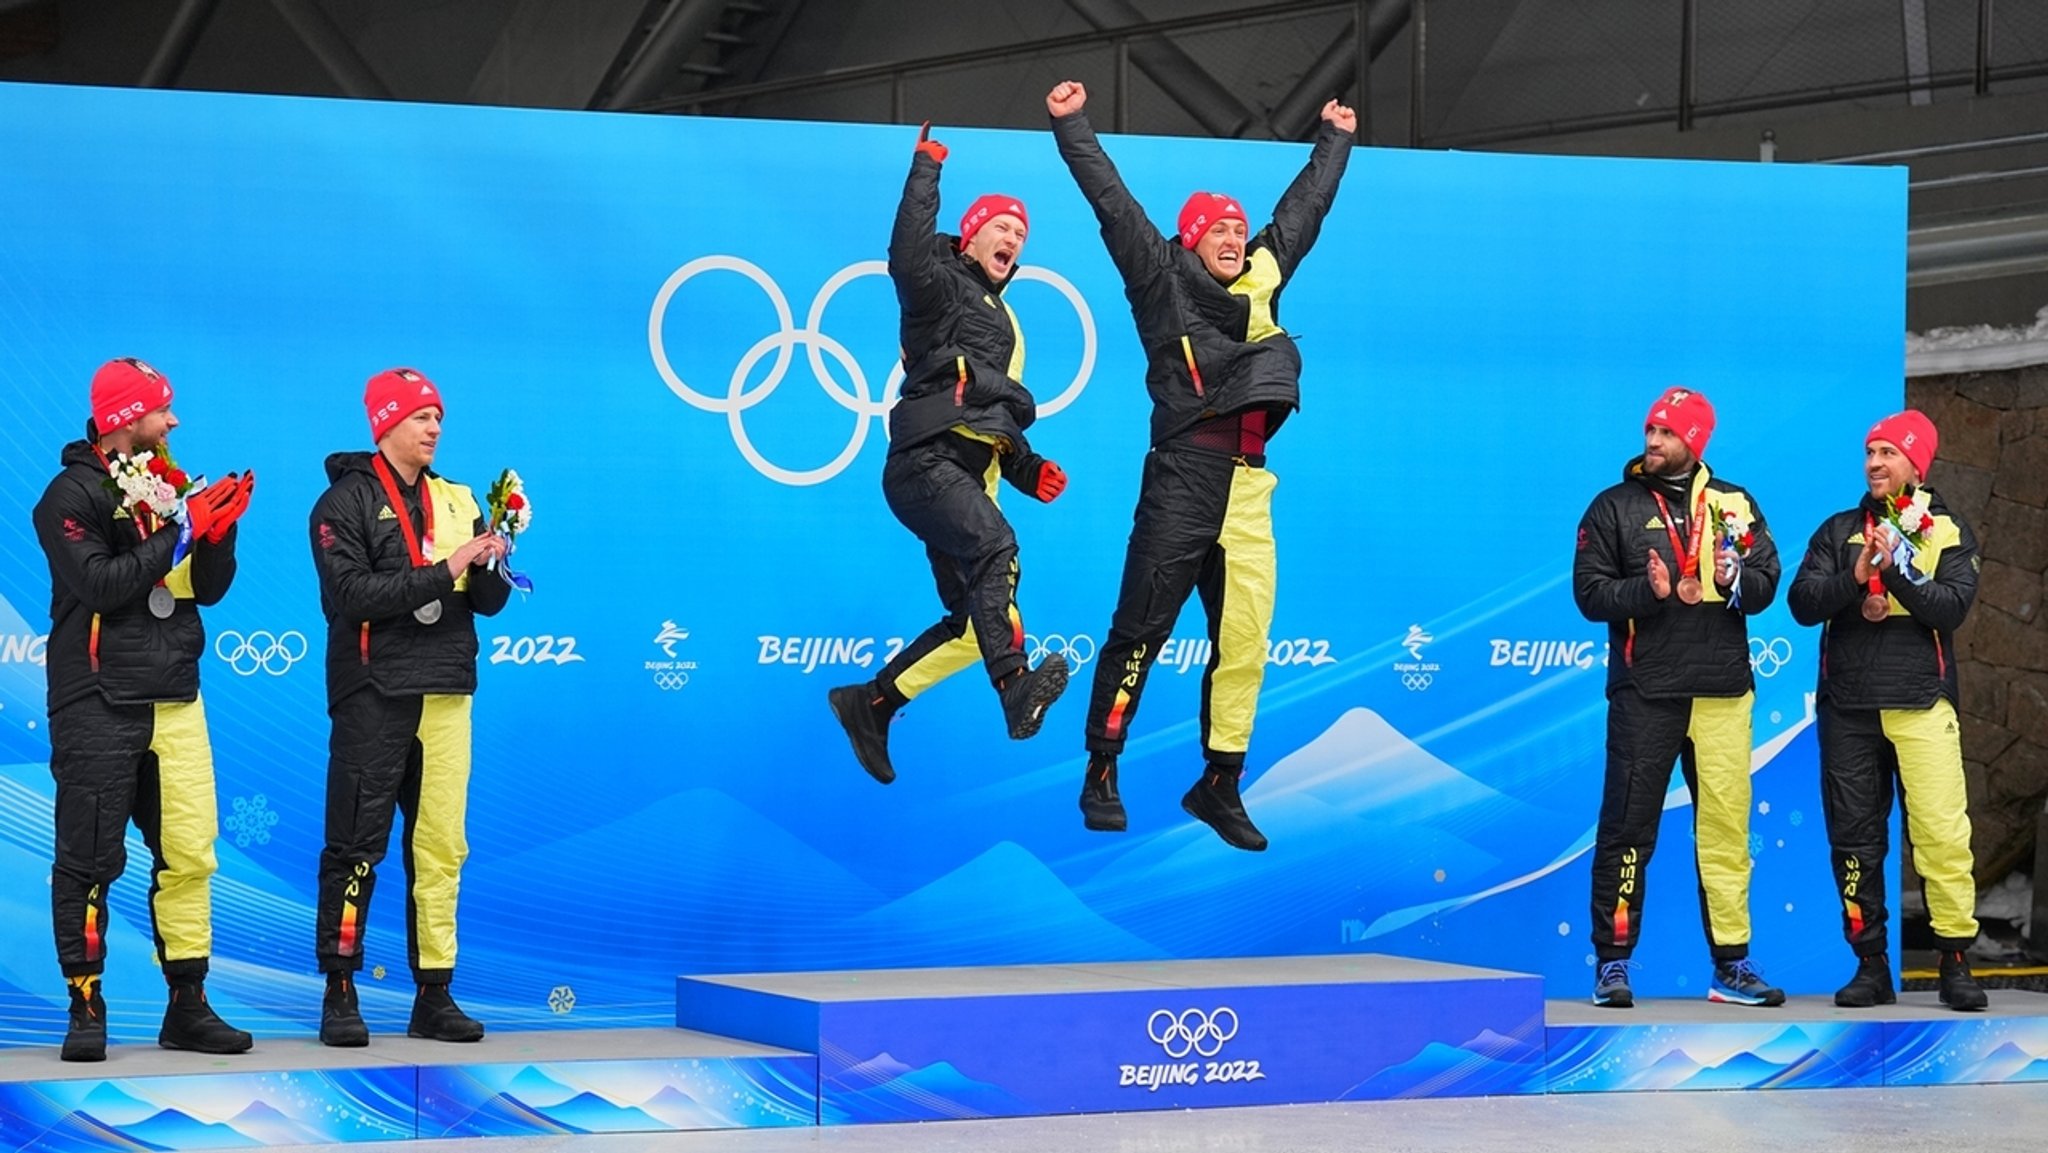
676	330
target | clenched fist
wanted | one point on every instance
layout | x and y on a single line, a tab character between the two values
1066	97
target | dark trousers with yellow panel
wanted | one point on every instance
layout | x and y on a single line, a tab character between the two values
1866	755
944	491
1204	525
409	755
152	764
1709	738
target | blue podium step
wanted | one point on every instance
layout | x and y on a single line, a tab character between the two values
1807	1043
299	1092
929	1044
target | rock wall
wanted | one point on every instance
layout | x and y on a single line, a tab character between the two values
1992	468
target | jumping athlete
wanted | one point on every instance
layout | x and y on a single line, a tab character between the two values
401	553
128	734
1223	376
1675	560
958	427
1886	706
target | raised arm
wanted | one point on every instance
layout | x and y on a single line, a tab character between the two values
1298	218
913	259
1134	244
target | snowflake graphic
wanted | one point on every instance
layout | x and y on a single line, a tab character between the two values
377	973
562	999
251	821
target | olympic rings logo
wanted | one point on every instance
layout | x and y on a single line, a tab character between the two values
261	651
1768	656
1079	649
739	396
1416	682
669	680
1192	1031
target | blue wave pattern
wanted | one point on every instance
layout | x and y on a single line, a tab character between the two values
209	1110
625	829
1967	1051
617	1096
1759	1055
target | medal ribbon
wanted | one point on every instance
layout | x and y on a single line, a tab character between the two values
149	523
391	493
1688	553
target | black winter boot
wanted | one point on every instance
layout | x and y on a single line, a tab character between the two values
1027	693
1102	809
85	1037
864	712
1214	801
190	1023
1872	984
341	1019
436	1017
1959	988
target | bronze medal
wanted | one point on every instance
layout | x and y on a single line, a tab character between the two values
1689	590
162	603
1876	607
428	613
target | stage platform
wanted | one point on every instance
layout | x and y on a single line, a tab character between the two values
1807	1043
299	1092
837	1048
929	1044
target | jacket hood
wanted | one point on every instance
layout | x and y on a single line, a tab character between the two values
340	464
80	453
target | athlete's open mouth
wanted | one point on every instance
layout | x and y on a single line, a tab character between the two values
1002	259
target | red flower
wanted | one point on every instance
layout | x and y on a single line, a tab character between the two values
177	478
158	466
515	502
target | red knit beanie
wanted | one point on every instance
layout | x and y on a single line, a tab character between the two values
987	208
124	390
1687	413
394	394
1912	434
1204	209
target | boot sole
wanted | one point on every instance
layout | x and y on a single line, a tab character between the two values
1616	1001
1729	997
231	1047
1104	824
423	1035
884	772
1889	998
1976	1005
1189	808
352	1040
1046	686
92	1053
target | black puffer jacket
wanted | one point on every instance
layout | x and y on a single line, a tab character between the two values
1907	660
1667	648
102	569
369	586
963	351
1211	349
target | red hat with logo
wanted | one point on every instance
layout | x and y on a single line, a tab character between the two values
124	390
987	208
1687	413
1912	434
396	393
1204	209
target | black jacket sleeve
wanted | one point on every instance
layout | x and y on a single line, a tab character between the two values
1761	569
488	590
351	588
70	526
912	260
1137	248
1944	600
1822	588
213	567
1298	218
1602	591
1021	467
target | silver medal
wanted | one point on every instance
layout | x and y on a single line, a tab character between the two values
161	603
428	613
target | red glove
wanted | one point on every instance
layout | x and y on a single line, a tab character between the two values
928	146
232	505
202	508
1052	481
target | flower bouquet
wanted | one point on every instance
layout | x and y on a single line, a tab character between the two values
508	516
1907	515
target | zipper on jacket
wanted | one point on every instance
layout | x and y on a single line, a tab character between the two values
1628	647
1187	348
366	642
960	386
1940	659
92	646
